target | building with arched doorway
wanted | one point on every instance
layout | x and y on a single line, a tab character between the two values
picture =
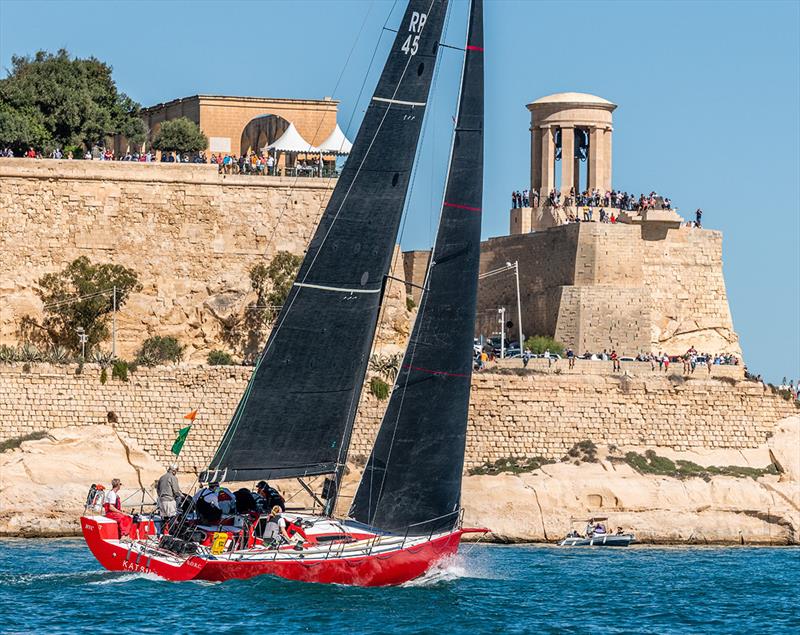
238	124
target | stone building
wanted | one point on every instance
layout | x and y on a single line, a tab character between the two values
238	124
643	284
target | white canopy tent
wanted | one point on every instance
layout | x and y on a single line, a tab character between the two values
291	141
336	143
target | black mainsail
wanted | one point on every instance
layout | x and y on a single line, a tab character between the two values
412	480
296	416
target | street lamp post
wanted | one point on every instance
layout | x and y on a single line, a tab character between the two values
82	338
502	312
509	266
519	310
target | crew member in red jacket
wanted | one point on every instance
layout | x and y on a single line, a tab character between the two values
113	508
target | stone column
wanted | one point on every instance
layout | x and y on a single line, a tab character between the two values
606	182
537	168
595	140
567	160
548	162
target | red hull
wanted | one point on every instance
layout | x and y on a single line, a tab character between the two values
382	569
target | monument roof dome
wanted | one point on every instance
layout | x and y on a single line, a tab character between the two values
573	98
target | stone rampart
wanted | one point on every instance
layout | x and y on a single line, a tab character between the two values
634	288
535	413
190	233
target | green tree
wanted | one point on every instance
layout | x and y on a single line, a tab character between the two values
538	344
56	100
180	135
80	296
273	282
21	128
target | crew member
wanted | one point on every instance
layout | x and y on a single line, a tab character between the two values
206	502
268	497
113	508
169	492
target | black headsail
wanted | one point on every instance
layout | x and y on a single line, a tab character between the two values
296	416
413	477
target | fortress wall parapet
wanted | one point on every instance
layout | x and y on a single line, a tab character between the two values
532	414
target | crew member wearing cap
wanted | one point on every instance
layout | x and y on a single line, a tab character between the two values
169	492
268	497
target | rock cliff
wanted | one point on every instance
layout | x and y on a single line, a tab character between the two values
53	474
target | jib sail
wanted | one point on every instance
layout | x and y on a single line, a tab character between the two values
412	480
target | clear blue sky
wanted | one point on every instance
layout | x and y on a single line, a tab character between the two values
708	94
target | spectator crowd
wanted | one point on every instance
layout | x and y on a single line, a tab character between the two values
251	163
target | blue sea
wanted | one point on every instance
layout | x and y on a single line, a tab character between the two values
56	586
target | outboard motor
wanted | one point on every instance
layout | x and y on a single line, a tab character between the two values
94	499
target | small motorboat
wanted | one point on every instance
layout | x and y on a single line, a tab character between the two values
596	535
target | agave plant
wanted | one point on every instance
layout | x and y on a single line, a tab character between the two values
7	354
102	358
29	353
57	355
386	366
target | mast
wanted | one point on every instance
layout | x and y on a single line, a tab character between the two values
412	480
296	415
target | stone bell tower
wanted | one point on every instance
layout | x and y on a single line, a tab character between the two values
570	147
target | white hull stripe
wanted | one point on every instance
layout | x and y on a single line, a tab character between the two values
324	288
399	101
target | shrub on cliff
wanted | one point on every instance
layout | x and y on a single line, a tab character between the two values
538	344
52	100
159	350
180	135
379	388
220	358
80	297
272	282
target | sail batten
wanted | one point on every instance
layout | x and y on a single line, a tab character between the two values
412	480
296	416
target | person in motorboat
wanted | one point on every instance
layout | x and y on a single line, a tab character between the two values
112	505
589	531
599	529
620	531
206	502
268	497
169	492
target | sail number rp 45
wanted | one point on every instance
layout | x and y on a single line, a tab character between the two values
415	25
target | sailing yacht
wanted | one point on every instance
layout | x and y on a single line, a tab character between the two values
297	413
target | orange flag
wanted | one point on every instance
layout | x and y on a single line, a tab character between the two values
191	415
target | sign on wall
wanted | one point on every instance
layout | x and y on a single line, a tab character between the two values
219	144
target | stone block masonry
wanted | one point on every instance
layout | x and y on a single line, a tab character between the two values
191	234
532	414
633	288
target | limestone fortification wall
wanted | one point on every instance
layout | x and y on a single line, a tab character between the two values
633	288
191	234
538	413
